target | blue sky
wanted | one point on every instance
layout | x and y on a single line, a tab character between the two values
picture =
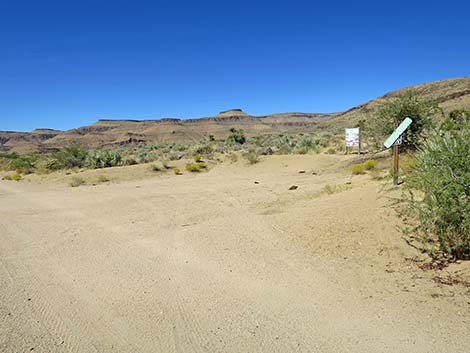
64	64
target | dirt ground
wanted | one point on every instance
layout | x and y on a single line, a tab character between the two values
225	261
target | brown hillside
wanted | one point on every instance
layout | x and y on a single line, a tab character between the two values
450	93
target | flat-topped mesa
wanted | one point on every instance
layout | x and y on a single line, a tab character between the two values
123	121
232	112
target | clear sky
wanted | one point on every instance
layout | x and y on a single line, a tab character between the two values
64	64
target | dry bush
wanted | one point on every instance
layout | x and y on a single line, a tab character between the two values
357	169
76	181
370	164
233	157
102	179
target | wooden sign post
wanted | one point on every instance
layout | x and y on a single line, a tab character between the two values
395	163
395	140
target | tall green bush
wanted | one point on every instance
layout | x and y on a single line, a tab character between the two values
439	191
391	113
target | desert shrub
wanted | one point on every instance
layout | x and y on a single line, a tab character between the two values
76	181
175	155
197	158
252	157
323	139
71	157
103	159
305	144
128	160
235	137
14	177
233	157
202	149
21	163
370	164
102	179
193	167
391	113
157	167
301	150
177	171
330	189
458	119
441	206
357	169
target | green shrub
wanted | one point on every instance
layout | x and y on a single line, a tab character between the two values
197	158
71	157
441	207
235	137
370	164
14	177
357	169
252	157
177	171
233	157
193	167
76	181
301	150
157	167
103	159
392	112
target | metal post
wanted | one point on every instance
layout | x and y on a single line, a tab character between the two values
395	164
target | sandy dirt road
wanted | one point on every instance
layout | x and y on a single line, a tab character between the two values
218	263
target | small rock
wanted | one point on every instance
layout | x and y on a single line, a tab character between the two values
301	171
293	187
256	182
314	173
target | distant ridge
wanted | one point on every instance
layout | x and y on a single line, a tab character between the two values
108	133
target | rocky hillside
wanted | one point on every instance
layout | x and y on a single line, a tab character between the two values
451	94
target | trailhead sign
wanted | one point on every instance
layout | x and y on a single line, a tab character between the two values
397	133
352	137
395	140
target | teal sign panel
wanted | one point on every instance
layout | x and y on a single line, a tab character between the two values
396	134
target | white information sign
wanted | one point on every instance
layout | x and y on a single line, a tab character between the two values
352	137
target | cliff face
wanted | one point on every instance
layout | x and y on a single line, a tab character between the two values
451	94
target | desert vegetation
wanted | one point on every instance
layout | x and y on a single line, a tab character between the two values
438	189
